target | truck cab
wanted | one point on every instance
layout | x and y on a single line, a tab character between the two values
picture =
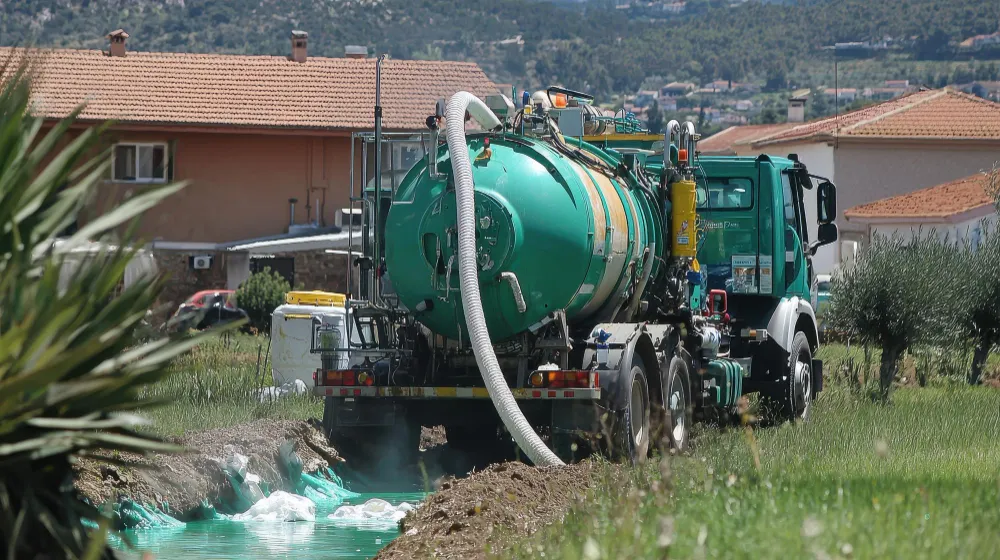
756	243
755	247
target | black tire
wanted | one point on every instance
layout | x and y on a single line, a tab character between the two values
677	411
631	434
791	392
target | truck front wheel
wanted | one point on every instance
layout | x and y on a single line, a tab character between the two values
790	394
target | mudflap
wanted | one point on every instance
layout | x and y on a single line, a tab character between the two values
573	417
349	413
817	380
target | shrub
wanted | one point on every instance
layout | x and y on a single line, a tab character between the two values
260	295
897	294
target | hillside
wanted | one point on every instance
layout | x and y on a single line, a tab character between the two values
588	46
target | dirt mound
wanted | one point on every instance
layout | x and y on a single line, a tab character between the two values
183	481
503	501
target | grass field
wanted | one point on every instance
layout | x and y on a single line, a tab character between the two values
918	478
217	385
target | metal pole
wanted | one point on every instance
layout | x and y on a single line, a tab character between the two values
350	227
366	224
377	213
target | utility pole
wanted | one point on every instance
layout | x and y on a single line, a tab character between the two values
836	100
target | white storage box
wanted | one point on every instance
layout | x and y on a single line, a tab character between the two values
291	339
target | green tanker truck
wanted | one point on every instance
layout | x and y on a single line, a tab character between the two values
569	280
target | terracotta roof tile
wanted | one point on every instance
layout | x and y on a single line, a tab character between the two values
723	142
940	113
249	91
941	201
949	114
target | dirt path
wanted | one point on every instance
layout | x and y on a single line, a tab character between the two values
489	507
183	481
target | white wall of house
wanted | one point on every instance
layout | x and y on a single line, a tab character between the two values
967	230
870	172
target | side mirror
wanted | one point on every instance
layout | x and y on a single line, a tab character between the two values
827	233
718	302
826	202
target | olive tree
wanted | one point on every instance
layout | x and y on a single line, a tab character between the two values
896	294
980	317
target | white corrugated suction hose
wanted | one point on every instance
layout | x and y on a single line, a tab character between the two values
468	271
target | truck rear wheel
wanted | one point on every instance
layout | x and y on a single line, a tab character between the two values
790	395
630	438
677	404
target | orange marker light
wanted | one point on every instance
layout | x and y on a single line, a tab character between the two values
682	154
559	100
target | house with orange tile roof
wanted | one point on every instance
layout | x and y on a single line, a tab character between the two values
911	142
264	141
956	209
248	132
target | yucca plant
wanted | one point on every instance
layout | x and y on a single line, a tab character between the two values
70	367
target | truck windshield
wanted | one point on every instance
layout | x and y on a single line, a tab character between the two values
725	193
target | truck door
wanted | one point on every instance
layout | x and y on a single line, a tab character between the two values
798	265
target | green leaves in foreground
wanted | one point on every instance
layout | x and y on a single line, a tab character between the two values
70	368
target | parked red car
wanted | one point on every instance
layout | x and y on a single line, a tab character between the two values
206	308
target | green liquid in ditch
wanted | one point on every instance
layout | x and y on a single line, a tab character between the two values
230	540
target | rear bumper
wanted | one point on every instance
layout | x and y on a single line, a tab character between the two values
455	393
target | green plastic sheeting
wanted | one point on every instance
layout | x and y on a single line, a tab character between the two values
323	486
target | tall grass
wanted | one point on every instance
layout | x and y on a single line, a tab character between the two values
218	385
918	478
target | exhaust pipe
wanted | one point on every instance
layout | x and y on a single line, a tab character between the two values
672	136
689	133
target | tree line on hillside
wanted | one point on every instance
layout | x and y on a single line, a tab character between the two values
598	48
931	297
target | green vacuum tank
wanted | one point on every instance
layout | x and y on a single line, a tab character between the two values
565	234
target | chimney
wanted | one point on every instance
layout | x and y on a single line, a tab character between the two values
117	38
796	109
355	51
299	41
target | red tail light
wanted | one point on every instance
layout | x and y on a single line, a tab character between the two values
572	379
348	378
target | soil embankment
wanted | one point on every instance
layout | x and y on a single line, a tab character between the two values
183	481
488	508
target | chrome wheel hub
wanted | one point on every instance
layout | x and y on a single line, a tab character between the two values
802	386
637	413
678	413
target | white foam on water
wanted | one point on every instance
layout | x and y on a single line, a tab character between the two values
373	513
280	506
